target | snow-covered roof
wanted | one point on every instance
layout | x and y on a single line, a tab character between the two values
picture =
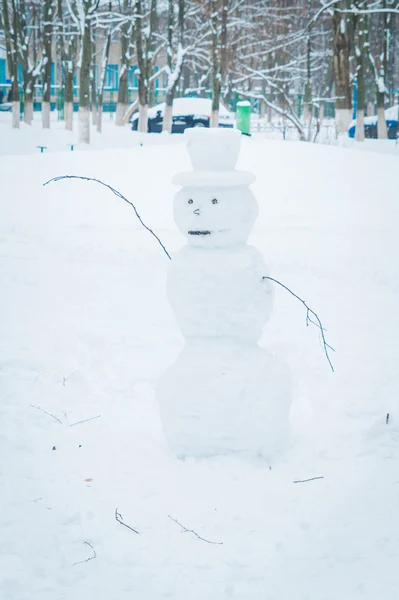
391	114
187	106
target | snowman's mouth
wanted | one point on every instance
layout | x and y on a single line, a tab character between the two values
199	232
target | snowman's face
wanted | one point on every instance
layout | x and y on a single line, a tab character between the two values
215	216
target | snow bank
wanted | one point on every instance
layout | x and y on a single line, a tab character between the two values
86	330
188	106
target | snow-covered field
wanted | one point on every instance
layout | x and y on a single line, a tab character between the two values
86	330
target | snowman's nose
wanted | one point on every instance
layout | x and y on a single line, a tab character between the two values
196	211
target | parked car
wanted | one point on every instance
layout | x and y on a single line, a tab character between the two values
6	107
370	125
187	112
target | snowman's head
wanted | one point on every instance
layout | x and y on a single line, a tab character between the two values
215	216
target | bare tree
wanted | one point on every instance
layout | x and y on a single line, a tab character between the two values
360	47
10	26
104	63
146	22
382	72
29	18
47	61
93	74
218	26
175	67
379	65
85	11
341	55
126	32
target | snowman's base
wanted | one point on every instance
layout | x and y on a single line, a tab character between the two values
222	397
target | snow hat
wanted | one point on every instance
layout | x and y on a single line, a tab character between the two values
213	154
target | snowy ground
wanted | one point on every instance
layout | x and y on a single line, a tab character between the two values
86	330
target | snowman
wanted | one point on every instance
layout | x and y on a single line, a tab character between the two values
224	394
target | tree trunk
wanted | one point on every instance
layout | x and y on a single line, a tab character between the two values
308	96
186	78
144	52
104	64
59	52
84	82
68	100
269	109
168	115
142	75
28	99
143	118
84	124
341	70
321	112
16	116
122	104
16	105
360	68
27	57
46	115
381	85
174	74
123	89
359	131
381	124
215	64
100	117
10	35
47	60
308	108
68	115
28	110
93	85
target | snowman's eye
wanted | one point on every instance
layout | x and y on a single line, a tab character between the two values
214	201
190	201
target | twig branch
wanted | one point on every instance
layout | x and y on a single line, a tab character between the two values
45	411
185	530
90	557
317	323
84	421
119	518
305	480
114	191
65	379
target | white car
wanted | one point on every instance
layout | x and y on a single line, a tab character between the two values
187	112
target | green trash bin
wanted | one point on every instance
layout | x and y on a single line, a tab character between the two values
243	116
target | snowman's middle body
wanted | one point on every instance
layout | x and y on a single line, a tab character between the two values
224	394
220	293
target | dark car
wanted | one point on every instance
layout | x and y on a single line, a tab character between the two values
187	113
6	107
371	125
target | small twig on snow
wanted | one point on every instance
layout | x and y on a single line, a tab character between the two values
65	379
305	480
114	191
84	421
90	557
45	411
185	530
119	518
317	323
